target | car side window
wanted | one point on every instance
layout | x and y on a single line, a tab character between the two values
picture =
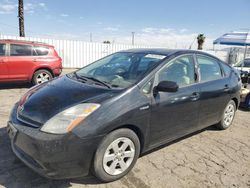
209	69
226	69
40	51
247	63
147	87
2	49
180	70
20	50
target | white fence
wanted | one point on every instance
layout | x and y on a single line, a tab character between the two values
76	54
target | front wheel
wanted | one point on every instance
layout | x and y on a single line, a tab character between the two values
228	116
116	155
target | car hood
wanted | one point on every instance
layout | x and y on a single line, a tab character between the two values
42	102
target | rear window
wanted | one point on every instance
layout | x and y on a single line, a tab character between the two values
20	50
40	51
209	68
2	49
226	68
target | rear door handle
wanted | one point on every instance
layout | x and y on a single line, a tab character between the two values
226	88
3	61
195	96
34	60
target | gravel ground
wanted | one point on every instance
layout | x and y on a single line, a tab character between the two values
208	158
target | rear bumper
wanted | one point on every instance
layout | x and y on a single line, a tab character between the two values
57	71
52	156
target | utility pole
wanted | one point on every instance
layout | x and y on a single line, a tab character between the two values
133	38
21	18
90	37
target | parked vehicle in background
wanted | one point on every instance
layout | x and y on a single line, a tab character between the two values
28	62
102	117
245	66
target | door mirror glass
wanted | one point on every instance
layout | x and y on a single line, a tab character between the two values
167	86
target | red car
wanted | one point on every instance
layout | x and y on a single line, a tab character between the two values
28	61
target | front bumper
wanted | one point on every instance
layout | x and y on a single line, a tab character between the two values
52	156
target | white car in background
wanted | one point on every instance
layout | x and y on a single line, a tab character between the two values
245	67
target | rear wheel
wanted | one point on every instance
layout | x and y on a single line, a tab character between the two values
116	155
228	116
41	76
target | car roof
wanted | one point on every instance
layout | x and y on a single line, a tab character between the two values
164	51
25	42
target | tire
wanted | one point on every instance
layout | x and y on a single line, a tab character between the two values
41	76
108	169
227	116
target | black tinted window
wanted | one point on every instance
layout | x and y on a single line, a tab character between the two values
20	50
40	51
2	49
209	68
226	68
247	63
146	62
180	70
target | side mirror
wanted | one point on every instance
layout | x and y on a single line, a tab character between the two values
167	86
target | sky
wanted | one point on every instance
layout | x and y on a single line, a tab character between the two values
174	23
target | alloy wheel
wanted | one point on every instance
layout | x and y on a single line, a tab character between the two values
229	115
118	156
42	77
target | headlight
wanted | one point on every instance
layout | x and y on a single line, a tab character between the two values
68	119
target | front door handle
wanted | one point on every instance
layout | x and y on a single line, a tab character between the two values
3	61
144	107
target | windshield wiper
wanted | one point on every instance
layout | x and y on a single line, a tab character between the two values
85	78
96	80
79	77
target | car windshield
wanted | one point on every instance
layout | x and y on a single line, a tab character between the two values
121	69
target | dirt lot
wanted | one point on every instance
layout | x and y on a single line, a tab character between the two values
209	158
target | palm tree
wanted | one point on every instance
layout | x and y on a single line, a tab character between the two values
21	18
106	42
200	39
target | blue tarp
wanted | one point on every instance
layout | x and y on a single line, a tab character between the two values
236	38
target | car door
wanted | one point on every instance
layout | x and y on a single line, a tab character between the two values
175	114
214	90
3	62
20	62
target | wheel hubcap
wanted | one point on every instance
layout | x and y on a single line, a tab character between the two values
42	77
118	156
228	115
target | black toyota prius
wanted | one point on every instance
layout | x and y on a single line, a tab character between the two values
101	118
